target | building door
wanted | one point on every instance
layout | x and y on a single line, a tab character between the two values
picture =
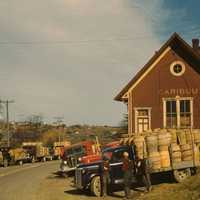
142	119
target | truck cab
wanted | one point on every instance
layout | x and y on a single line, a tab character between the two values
77	153
87	176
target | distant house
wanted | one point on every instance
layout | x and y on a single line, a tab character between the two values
165	93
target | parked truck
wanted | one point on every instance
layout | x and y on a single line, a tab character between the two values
14	156
37	151
78	153
19	156
181	160
58	149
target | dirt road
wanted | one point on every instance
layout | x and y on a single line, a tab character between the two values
39	182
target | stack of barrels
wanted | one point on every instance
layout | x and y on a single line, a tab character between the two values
165	146
152	149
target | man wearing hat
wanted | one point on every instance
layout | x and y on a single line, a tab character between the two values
127	169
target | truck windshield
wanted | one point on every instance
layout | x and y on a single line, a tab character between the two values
114	155
77	150
108	154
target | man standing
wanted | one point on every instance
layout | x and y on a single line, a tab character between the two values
105	176
143	166
127	170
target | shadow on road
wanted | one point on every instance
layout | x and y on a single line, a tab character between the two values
78	192
57	175
88	194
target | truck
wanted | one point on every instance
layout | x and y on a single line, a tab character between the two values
37	151
87	176
12	156
19	156
58	149
76	154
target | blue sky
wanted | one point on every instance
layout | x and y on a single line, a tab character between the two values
182	17
71	57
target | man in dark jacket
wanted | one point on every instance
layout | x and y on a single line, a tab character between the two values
105	176
144	166
127	168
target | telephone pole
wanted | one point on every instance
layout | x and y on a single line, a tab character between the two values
7	102
59	121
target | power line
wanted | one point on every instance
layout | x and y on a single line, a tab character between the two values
65	42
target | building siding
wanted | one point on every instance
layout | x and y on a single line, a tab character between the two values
160	83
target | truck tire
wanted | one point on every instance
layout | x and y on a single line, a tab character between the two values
5	163
95	186
182	174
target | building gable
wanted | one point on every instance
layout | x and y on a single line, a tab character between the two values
175	43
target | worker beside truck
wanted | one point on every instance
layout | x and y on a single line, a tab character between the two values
173	151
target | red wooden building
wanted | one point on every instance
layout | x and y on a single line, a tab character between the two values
165	93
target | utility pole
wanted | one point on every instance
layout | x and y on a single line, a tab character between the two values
59	120
7	102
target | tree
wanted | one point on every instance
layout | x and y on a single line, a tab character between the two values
124	124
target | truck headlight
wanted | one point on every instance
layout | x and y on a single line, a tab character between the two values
79	159
65	162
83	171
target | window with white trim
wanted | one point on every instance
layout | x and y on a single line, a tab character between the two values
178	112
185	113
171	114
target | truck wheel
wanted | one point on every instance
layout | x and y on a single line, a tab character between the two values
5	163
182	174
95	186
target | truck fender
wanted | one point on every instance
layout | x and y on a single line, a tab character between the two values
92	176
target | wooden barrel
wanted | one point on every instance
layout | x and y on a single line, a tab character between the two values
187	153
164	139
176	153
139	146
188	137
155	160
163	148
185	147
173	136
139	141
175	147
152	143
196	134
181	137
165	159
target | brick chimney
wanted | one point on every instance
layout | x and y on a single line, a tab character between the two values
195	44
